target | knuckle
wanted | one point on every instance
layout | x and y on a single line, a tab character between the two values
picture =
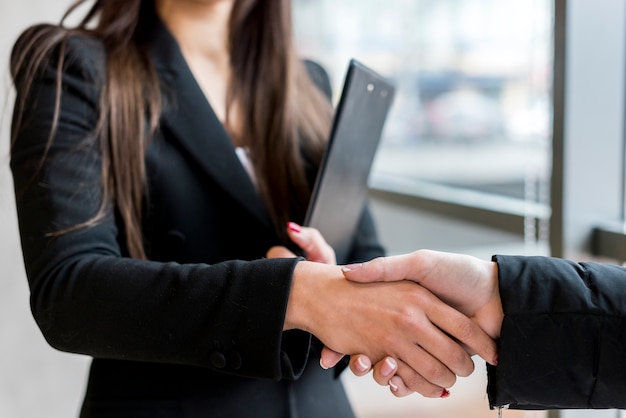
462	363
465	329
389	339
315	235
439	374
378	267
384	268
407	318
419	297
415	382
420	385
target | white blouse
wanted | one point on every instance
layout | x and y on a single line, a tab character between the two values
242	153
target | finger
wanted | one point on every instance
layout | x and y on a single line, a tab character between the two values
381	269
414	382
279	252
385	375
465	331
360	364
329	358
384	370
425	347
312	243
398	388
436	372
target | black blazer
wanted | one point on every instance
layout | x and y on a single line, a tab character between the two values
197	330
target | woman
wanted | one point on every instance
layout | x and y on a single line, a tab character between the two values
559	324
159	150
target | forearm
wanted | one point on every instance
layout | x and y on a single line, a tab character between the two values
115	307
562	337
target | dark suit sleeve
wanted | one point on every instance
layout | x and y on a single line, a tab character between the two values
87	297
563	339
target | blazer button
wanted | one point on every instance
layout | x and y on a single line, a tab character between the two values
234	360
218	360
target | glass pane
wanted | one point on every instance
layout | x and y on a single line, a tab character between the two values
473	77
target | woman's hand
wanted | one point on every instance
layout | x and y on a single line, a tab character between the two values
316	249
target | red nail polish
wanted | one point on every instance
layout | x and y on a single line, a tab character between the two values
294	227
445	393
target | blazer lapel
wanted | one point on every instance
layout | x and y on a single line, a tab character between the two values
190	117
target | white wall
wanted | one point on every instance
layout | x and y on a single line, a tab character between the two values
35	380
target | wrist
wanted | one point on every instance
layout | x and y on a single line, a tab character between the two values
309	285
491	315
294	314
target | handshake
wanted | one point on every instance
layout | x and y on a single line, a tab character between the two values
414	319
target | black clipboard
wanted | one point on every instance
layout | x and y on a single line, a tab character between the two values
340	189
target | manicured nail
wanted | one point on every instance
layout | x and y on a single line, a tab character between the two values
361	365
294	227
351	267
322	365
393	386
445	393
389	367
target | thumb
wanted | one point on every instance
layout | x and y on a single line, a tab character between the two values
381	269
311	241
329	358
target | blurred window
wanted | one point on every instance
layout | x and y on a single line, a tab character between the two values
473	104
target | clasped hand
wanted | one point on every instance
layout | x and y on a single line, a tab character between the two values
417	318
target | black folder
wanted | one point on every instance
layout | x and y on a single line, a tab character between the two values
340	189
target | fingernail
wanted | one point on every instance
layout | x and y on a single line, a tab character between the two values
393	386
322	365
390	367
294	227
351	267
495	361
360	365
445	393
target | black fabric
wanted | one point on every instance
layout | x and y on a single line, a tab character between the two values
562	343
118	389
199	326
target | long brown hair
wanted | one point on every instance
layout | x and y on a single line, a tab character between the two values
283	116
